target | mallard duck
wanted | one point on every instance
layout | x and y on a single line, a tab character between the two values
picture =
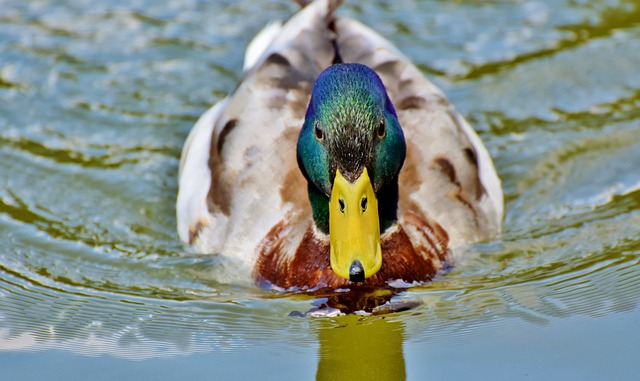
334	162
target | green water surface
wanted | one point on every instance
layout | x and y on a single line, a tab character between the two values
96	99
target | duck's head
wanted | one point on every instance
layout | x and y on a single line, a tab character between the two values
350	150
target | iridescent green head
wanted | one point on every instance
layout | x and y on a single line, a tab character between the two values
351	149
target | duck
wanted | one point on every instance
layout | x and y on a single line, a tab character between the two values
334	163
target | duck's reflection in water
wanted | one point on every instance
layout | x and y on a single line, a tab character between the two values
361	348
356	347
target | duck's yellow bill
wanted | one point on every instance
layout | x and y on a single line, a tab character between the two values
354	228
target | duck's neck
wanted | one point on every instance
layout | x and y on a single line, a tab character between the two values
387	206
320	206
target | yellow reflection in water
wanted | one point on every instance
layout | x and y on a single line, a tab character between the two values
361	349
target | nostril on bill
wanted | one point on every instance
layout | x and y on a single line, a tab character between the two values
356	272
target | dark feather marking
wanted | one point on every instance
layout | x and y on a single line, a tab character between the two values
412	102
194	232
277	59
278	72
218	198
223	134
472	156
293	80
445	166
337	57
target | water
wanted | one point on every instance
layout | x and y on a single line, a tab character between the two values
96	100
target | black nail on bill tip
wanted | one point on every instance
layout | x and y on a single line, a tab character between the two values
356	272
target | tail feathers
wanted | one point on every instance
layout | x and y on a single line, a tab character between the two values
278	35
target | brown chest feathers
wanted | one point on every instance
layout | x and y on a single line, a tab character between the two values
412	251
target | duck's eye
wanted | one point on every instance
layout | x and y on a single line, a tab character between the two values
318	131
363	204
341	202
382	129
